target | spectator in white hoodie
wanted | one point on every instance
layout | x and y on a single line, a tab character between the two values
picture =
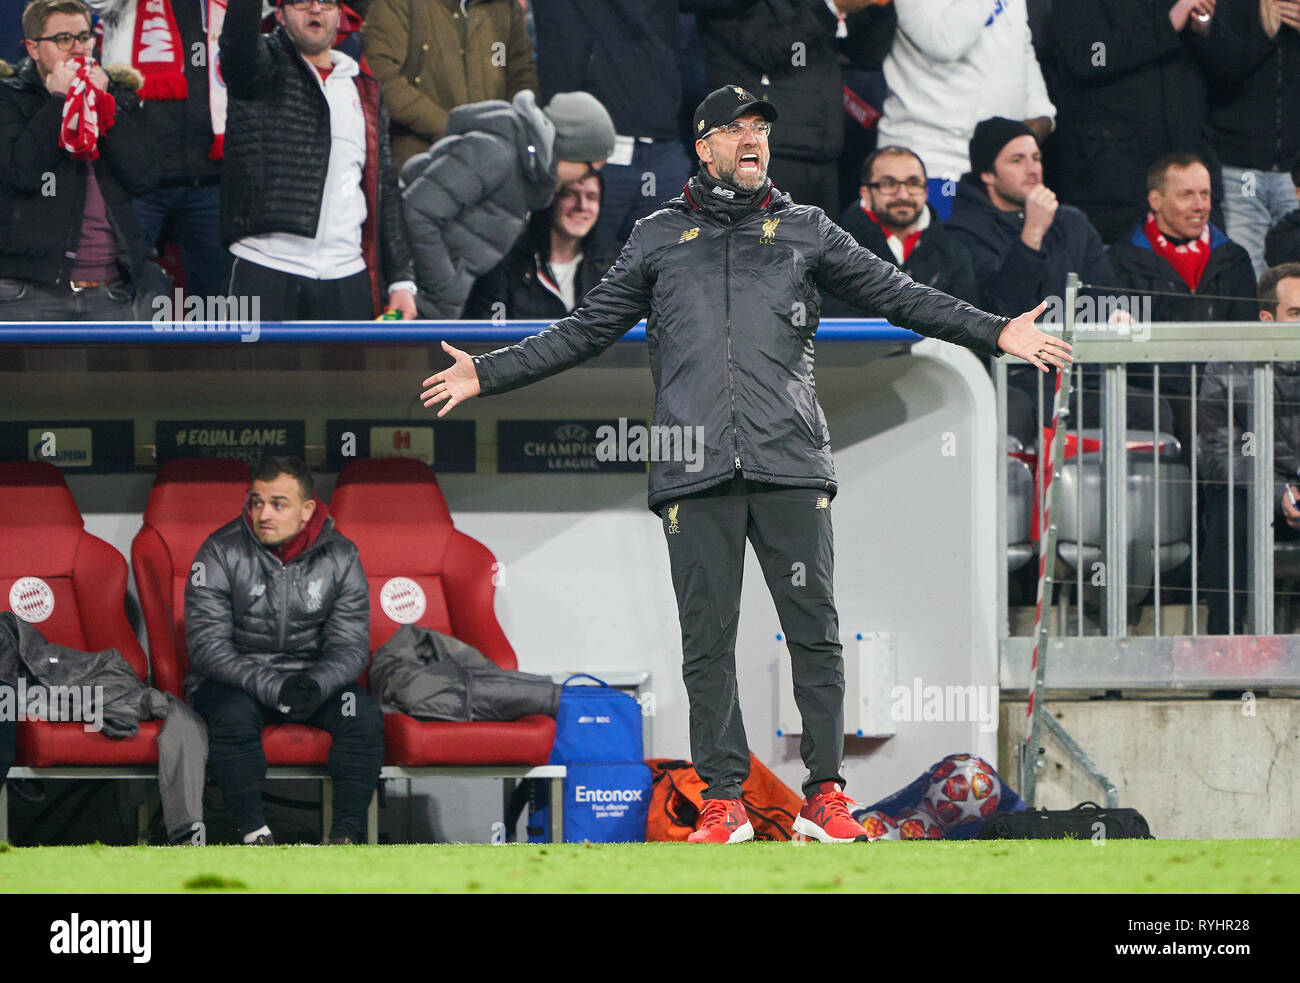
952	64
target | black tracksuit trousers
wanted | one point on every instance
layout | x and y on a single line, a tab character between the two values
238	762
790	529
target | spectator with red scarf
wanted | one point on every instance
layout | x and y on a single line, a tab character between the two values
173	44
893	220
1192	270
72	153
1176	249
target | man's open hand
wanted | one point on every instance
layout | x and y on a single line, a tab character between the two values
456	384
1022	339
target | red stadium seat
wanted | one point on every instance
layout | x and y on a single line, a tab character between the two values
192	498
72	587
423	571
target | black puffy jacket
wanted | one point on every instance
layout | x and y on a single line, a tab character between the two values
732	312
278	144
43	190
252	620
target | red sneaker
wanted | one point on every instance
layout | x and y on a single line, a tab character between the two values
825	816
722	821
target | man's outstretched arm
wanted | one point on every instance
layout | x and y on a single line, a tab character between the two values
857	275
607	313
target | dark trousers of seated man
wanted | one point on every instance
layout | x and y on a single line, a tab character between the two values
237	761
1215	557
790	530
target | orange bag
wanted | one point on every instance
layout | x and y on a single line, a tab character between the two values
676	798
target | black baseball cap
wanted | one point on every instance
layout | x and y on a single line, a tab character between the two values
726	105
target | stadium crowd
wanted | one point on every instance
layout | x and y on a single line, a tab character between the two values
1016	142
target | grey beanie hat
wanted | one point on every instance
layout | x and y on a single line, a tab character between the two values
583	130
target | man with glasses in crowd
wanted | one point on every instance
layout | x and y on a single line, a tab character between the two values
892	219
309	201
727	275
70	249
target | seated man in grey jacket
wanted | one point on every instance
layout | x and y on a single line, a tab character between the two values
277	623
465	200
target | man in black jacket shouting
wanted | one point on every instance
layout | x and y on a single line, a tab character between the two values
728	274
277	627
309	200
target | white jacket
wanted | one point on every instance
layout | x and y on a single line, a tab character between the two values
952	64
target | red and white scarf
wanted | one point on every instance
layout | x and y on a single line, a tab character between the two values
145	34
1189	259
87	114
900	247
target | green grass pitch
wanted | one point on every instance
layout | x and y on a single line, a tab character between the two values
1118	866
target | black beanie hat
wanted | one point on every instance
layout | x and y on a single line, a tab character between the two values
990	136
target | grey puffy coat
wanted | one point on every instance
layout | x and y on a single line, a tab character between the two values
251	620
125	700
433	676
466	199
732	313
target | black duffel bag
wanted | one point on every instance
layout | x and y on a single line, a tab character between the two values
1080	823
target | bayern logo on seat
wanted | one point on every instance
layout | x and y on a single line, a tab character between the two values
402	600
31	599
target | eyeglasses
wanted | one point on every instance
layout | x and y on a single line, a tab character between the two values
307	4
64	41
761	129
888	185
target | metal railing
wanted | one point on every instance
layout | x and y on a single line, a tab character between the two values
1130	546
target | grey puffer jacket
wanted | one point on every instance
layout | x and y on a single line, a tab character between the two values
1216	446
432	676
251	620
125	700
733	307
466	199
